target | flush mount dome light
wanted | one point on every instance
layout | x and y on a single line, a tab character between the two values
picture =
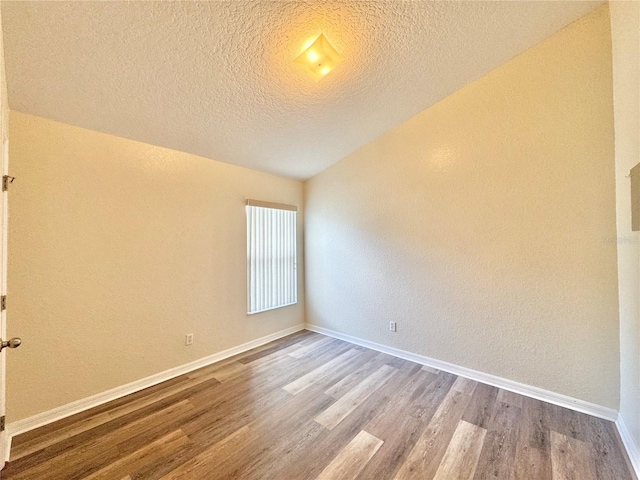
319	59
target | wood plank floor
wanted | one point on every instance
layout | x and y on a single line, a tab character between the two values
311	407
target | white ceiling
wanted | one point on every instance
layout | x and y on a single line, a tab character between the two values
217	79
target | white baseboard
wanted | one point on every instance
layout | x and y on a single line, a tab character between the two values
633	450
513	386
50	416
7	449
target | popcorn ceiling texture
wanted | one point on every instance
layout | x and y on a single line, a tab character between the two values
216	79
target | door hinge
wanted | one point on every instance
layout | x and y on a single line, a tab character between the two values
3	302
2	423
6	180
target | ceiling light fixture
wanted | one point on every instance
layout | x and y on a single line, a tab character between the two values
319	59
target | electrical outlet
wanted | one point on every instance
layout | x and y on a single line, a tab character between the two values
188	339
392	326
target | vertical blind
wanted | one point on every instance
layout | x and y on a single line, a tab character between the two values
271	256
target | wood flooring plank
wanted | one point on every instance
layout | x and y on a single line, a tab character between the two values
330	351
209	463
498	454
228	371
93	412
213	425
601	440
259	379
235	420
397	444
276	347
89	436
221	415
345	405
303	350
396	362
531	463
461	457
221	372
275	370
564	421
243	400
464	385
310	378
268	456
274	354
88	457
319	451
385	423
38	443
353	458
427	400
430	369
514	399
425	457
267	459
283	430
602	436
282	433
480	407
533	453
348	382
571	459
311	337
535	425
624	453
154	451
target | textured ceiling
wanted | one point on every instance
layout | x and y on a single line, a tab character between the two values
217	79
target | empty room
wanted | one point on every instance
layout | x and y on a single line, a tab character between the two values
320	240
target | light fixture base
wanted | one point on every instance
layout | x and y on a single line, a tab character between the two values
319	58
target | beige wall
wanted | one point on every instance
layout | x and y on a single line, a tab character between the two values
117	250
625	28
484	225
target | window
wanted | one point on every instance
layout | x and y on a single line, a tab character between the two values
271	256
